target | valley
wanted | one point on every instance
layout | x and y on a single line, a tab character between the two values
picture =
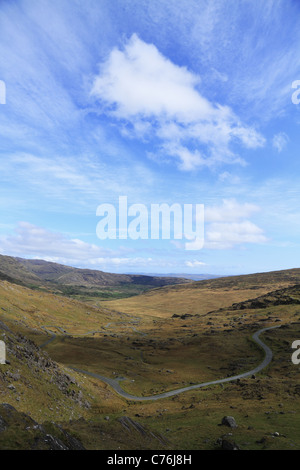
167	339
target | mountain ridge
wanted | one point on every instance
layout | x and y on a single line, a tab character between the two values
39	272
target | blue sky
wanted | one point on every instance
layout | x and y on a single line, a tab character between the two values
163	102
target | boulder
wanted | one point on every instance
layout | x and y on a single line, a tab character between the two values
229	421
229	445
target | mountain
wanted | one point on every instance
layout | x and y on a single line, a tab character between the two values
38	273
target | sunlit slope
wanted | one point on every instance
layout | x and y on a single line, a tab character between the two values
204	296
35	309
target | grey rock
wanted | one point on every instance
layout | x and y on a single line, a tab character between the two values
229	421
52	443
229	445
15	376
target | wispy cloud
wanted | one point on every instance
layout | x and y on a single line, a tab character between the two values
280	141
79	184
229	178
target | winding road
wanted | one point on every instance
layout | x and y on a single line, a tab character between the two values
114	383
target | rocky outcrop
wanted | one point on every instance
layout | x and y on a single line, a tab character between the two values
32	435
39	364
286	296
133	426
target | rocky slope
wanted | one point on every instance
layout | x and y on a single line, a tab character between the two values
32	435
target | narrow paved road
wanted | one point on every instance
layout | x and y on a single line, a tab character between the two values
116	386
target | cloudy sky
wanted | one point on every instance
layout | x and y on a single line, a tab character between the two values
190	102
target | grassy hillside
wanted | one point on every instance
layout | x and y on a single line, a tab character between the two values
33	309
203	296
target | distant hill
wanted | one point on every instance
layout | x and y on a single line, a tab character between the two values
33	272
205	296
272	279
283	278
192	277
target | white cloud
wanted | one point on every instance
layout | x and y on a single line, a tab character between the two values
230	211
194	264
280	141
155	97
142	82
228	225
31	241
228	235
188	160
